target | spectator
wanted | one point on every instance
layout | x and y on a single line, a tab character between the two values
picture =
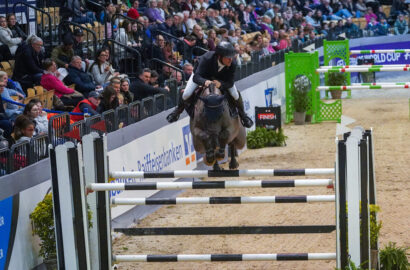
380	14
351	29
369	15
91	103
310	20
14	27
168	26
74	9
191	20
212	40
284	41
29	58
123	37
78	38
62	54
176	6
6	37
327	11
152	13
177	76
41	120
13	85
383	29
82	80
399	7
400	26
200	38
125	87
167	9
50	81
101	69
142	88
31	111
158	48
188	69
115	83
5	123
133	11
11	110
153	81
159	8
187	6
360	8
165	74
24	129
105	18
109	100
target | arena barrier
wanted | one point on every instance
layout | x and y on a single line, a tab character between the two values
84	167
366	86
379	51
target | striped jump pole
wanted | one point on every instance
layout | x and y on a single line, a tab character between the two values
379	51
225	257
222	173
210	230
363	69
210	184
365	66
223	200
362	87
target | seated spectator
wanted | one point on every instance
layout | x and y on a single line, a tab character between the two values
82	80
399	7
5	123
284	41
212	40
133	11
91	103
31	110
101	69
11	110
6	36
400	26
158	48
383	29
29	58
24	129
109	100
168	26
369	15
153	81
12	85
200	39
78	38
360	8
177	76
14	27
165	74
373	25
191	20
120	101
380	14
142	89
153	13
266	47
50	81
125	87
244	56
351	29
63	54
188	69
75	10
41	120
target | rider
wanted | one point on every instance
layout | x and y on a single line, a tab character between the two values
216	67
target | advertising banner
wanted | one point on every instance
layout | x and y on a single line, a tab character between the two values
383	58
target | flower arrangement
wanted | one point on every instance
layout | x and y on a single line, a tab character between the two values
301	87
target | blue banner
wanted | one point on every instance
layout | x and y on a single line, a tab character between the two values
383	58
6	210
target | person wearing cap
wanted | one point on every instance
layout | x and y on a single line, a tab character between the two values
91	103
215	67
78	37
62	54
133	11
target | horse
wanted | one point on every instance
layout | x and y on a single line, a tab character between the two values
213	127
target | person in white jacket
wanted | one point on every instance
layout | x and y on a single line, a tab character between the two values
6	36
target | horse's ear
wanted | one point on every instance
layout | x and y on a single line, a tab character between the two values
212	88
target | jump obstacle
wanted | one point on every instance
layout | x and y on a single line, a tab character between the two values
81	248
308	65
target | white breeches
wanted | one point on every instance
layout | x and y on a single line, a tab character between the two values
191	87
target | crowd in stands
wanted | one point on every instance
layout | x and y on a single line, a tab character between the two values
174	32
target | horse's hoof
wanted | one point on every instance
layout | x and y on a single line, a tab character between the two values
220	154
233	164
216	167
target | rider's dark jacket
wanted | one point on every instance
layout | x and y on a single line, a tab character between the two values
207	69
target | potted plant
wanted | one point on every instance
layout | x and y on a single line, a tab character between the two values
336	79
374	234
300	89
43	225
42	219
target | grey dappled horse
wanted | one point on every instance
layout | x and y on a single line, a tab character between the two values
213	128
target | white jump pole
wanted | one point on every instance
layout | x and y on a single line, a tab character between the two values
363	87
379	51
363	69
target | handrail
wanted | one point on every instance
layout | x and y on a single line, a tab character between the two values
42	18
83	28
128	48
119	15
200	48
168	65
95	4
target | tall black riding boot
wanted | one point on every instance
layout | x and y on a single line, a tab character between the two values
246	120
174	116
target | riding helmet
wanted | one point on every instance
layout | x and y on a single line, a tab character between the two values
225	49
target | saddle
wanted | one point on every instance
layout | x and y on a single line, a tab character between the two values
190	103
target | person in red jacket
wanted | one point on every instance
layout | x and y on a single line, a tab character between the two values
133	12
50	81
91	103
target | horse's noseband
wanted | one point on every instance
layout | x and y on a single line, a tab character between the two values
213	106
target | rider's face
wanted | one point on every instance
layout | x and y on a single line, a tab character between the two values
227	61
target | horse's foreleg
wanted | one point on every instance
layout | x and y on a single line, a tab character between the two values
223	140
233	164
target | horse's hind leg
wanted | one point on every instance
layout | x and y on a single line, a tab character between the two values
233	164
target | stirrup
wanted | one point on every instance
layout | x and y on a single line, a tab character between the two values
246	121
173	117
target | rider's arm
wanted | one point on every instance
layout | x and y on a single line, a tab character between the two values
200	71
229	79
